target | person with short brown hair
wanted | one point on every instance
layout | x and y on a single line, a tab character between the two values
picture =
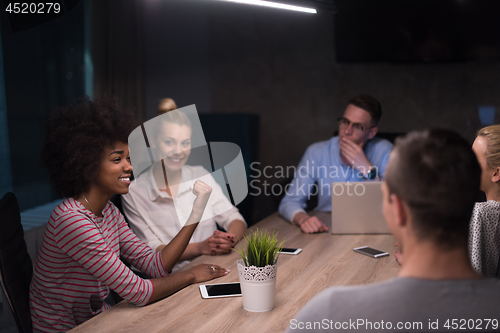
431	185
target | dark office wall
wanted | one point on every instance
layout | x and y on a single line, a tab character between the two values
118	49
418	96
43	69
176	59
282	66
234	58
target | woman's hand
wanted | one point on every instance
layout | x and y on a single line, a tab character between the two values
202	192
175	249
162	287
219	243
205	272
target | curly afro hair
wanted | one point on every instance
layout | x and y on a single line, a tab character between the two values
76	138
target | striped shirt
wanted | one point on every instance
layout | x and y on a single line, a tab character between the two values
79	262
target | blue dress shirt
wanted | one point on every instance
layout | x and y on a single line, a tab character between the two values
321	164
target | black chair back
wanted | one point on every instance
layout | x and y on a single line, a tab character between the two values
15	263
243	130
498	270
116	199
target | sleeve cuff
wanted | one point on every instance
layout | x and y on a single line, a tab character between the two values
295	212
225	219
237	216
162	266
148	297
154	244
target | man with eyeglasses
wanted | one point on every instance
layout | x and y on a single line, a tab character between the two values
352	156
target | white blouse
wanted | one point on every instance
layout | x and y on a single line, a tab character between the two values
156	218
484	238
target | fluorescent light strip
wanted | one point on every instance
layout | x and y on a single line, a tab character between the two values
275	5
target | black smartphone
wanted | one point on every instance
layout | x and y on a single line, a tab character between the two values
371	252
287	250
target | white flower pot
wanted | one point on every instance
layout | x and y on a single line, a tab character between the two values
258	285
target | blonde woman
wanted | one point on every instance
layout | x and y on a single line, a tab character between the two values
152	210
484	238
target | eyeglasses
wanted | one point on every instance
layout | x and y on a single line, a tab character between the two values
344	122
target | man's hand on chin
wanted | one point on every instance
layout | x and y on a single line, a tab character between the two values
354	155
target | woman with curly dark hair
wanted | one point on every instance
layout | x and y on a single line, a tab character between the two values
87	156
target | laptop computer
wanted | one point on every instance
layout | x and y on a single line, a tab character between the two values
357	208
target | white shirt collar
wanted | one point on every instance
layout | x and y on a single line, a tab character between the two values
154	193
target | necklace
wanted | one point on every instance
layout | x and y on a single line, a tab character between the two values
91	209
95	216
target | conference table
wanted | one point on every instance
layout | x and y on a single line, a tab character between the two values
326	260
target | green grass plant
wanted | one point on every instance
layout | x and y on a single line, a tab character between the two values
262	249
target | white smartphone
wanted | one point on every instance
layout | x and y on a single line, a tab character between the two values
287	250
220	290
371	252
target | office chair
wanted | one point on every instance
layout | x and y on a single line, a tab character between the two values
15	263
498	270
243	130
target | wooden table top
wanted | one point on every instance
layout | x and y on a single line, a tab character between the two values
326	260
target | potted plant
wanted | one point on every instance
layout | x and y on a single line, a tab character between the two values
257	270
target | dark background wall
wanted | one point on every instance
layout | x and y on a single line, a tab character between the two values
231	58
224	58
43	68
176	53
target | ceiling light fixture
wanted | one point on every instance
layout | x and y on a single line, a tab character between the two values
275	5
